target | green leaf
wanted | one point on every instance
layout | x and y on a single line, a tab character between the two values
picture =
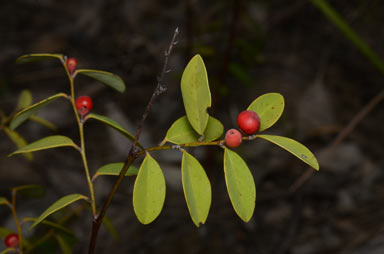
4	232
269	107
25	99
18	140
196	93
38	57
240	185
4	201
8	250
148	191
43	122
59	204
50	224
104	77
114	169
64	246
181	131
30	190
241	73
46	143
24	114
115	125
197	188
337	20
111	228
294	147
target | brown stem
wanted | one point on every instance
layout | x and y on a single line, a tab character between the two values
133	154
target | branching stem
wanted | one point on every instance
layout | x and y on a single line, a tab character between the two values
133	154
82	144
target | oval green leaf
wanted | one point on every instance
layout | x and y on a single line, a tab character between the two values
25	99
111	229
30	190
196	94
64	246
50	224
59	204
38	57
240	185
4	232
43	122
115	125
294	147
148	191
4	201
197	188
113	169
24	114
18	140
269	107
46	143
104	77
8	250
181	131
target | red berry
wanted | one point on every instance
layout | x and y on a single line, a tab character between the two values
12	240
84	105
71	64
248	121
233	138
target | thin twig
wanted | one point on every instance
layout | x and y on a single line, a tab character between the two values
342	135
160	88
133	154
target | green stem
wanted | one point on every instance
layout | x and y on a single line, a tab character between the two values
169	147
19	232
82	145
192	144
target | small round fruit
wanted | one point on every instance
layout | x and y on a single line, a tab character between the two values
12	240
233	138
84	105
248	121
71	64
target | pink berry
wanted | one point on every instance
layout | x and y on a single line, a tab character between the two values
84	105
248	121
71	64
233	138
12	240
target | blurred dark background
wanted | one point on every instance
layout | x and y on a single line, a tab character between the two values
249	48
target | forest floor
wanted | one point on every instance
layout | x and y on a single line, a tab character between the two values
333	100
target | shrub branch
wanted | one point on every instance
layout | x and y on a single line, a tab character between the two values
133	154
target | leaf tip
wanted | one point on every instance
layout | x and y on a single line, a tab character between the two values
12	125
316	166
33	225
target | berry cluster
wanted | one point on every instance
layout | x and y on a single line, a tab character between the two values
249	122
